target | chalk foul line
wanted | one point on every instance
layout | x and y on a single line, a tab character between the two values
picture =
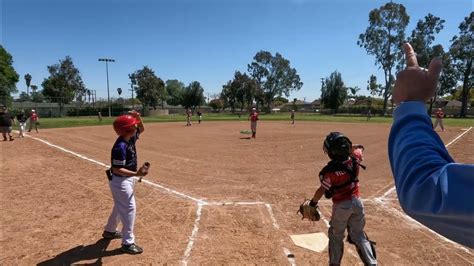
201	203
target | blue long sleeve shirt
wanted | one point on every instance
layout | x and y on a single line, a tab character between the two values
431	187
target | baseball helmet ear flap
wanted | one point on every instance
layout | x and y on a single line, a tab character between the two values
125	124
337	146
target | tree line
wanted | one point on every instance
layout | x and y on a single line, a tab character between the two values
269	76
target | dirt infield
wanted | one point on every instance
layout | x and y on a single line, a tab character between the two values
212	196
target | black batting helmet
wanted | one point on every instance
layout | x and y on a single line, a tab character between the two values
337	146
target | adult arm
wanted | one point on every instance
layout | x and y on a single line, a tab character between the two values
431	187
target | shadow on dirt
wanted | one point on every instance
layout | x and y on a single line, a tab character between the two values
95	251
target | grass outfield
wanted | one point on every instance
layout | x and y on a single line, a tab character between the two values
93	121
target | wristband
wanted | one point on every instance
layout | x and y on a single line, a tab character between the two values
312	203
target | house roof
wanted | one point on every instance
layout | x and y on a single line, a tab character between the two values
454	103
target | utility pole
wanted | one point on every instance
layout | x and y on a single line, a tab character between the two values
133	81
107	60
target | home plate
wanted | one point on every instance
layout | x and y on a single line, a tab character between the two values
315	242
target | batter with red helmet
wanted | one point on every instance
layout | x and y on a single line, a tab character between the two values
122	182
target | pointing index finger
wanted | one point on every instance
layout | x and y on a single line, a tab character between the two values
410	55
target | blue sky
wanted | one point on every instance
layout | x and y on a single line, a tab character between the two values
204	40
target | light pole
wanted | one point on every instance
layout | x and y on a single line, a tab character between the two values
133	82
107	60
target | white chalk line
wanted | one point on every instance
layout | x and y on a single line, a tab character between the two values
387	193
414	223
193	236
155	185
200	202
272	216
458	137
290	256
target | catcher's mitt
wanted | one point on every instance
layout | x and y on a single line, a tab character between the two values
309	212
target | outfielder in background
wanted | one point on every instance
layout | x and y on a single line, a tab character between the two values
339	181
122	182
439	119
292	116
199	116
189	113
253	117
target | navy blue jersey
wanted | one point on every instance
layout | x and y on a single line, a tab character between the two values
21	118
124	154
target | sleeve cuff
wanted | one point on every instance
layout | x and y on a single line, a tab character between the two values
409	108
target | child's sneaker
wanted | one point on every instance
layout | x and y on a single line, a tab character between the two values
131	249
111	235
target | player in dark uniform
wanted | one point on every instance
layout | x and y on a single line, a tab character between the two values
6	122
199	116
21	117
122	181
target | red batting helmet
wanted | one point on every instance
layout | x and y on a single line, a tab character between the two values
125	124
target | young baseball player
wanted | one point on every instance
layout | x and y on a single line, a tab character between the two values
34	121
253	117
199	116
339	181
121	181
21	117
6	122
439	119
189	113
292	116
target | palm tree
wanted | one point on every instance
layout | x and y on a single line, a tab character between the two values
28	82
33	89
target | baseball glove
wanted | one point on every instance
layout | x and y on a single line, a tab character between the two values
309	211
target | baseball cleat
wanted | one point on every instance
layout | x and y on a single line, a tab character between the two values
131	249
111	235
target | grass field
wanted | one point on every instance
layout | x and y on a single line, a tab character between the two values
93	121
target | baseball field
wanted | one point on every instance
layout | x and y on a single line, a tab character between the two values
212	196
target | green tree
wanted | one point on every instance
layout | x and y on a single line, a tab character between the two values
64	82
281	99
239	84
36	96
193	95
274	75
175	90
422	38
353	91
151	89
456	93
28	82
449	76
23	97
216	104
243	88
383	39
373	87
8	77
229	95
462	52
333	92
